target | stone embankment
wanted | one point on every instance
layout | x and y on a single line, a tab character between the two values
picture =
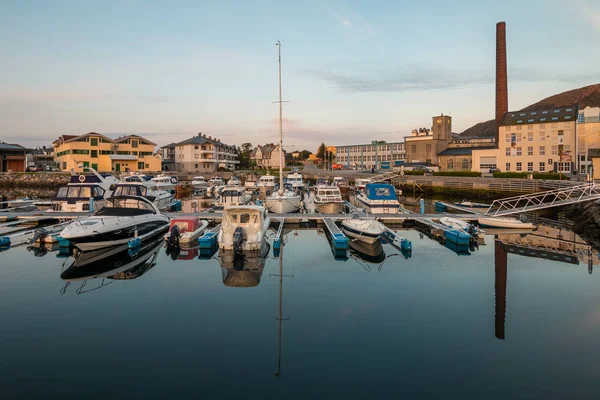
34	179
586	219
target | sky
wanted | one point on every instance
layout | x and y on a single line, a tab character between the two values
353	71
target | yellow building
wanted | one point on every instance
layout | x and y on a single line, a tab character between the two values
130	153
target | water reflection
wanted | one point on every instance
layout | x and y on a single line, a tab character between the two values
117	263
182	252
243	269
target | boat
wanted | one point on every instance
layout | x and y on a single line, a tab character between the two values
364	230
282	201
185	230
461	225
232	195
295	180
84	192
141	178
161	198
243	228
361	183
505	223
471	204
328	200
379	198
234	181
322	182
250	184
165	182
267	182
216	181
122	218
184	189
22	202
199	183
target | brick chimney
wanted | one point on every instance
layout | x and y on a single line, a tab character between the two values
501	74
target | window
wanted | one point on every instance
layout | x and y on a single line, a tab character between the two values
196	156
81	151
94	154
519	168
554	118
465	164
428	147
450	165
93	141
507	128
64	165
530	151
428	161
529	167
413	148
542	166
134	144
530	136
507	137
519	151
135	153
519	127
542	126
519	138
140	165
95	166
196	147
530	121
86	164
196	165
564	167
507	167
542	136
542	150
554	150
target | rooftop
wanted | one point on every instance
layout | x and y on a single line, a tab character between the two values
462	151
6	146
541	116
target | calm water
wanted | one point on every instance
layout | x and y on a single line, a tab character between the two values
417	327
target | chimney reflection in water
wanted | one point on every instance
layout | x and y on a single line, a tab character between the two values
500	259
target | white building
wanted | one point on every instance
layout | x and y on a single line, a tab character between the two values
204	154
268	156
378	155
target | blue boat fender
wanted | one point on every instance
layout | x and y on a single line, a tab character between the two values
406	245
134	242
4	241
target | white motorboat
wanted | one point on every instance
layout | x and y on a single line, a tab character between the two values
361	183
185	230
161	198
243	228
216	181
505	223
83	191
365	230
234	181
461	225
471	204
232	195
199	183
122	218
18	203
267	182
295	180
165	182
282	201
379	198
339	181
328	200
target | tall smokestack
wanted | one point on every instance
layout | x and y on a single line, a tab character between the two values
501	74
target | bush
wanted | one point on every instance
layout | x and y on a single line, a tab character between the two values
536	175
408	172
223	169
457	173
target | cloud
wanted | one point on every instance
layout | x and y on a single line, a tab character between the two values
590	13
346	23
415	77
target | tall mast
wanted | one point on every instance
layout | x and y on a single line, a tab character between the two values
280	125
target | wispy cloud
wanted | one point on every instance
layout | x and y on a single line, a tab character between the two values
346	23
417	77
351	20
590	13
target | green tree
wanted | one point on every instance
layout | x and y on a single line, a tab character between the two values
244	155
304	154
321	151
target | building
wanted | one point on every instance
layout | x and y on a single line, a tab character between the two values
203	153
588	137
12	158
377	154
167	156
267	156
131	153
42	157
459	154
533	141
424	145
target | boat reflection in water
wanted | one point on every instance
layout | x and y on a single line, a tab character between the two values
243	269
370	253
182	252
116	263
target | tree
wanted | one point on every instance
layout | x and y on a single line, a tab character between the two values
304	154
244	154
321	151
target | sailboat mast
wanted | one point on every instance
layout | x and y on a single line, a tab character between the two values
280	125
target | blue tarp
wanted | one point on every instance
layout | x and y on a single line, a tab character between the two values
380	191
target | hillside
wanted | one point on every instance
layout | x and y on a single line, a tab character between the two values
585	96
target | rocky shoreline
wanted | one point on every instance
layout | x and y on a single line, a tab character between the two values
34	180
586	218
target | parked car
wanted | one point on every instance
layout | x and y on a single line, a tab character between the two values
492	170
428	171
47	168
338	166
31	168
39	168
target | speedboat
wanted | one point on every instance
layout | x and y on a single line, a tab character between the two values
506	223
243	228
199	183
364	230
165	182
295	180
267	182
361	183
84	191
122	218
471	204
161	198
216	181
185	230
328	200
379	198
232	195
461	225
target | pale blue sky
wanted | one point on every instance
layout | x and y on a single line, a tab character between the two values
353	71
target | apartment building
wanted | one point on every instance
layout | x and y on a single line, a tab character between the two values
131	153
167	155
378	154
533	141
203	153
588	137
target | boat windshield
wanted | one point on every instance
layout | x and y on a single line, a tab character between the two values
125	206
130	190
241	217
80	192
382	192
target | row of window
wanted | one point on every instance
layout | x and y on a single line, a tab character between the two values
464	164
383	157
530	136
562	167
367	149
541	152
553	125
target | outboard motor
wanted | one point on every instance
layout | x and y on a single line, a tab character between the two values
238	240
174	237
39	234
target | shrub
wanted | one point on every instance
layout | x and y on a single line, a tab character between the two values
223	169
536	175
457	173
408	172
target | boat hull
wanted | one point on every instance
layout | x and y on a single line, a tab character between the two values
504	223
283	206
329	208
362	235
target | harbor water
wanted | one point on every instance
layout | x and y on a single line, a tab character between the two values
496	322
